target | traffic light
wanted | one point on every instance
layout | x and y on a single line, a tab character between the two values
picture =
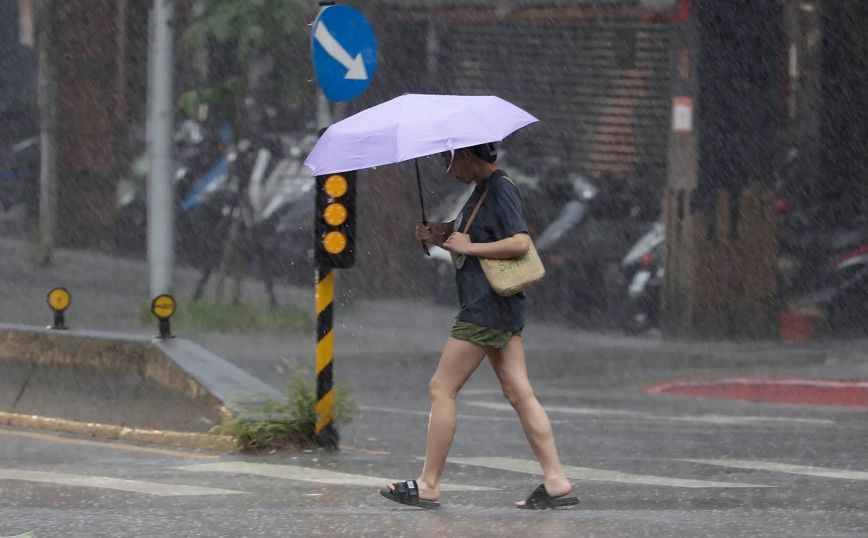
335	219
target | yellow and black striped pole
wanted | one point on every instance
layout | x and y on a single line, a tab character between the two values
335	220
326	434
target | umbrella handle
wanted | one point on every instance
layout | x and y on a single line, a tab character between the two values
421	203
424	246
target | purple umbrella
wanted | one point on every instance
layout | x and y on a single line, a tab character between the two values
411	126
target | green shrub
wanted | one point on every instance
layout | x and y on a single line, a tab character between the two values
276	425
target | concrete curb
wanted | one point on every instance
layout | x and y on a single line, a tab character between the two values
207	382
204	441
175	364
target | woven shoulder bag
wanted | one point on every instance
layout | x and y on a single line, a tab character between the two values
508	276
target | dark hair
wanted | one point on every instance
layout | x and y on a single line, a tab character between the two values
487	152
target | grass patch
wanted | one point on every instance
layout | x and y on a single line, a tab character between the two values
202	316
277	425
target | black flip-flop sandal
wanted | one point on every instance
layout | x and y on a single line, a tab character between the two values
407	492
540	499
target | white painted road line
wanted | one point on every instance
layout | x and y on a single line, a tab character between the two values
602	475
807	470
645	416
489	418
747	420
307	474
588	411
102	482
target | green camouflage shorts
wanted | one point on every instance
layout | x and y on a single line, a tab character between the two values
481	335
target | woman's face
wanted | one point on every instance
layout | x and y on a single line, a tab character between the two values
460	165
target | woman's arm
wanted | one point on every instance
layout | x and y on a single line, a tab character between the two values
509	247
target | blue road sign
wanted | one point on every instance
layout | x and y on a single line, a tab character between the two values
344	52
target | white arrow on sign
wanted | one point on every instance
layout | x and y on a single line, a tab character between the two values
355	66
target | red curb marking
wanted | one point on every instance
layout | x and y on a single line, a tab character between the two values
798	391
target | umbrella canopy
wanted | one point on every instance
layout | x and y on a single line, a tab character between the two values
414	125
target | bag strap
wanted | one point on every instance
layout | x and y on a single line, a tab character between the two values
479	203
476	209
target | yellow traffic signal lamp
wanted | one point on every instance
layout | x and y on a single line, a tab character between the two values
334	243
335	214
335	220
336	185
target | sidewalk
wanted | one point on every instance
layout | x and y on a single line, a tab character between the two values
396	335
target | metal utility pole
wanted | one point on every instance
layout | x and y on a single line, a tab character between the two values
47	96
160	180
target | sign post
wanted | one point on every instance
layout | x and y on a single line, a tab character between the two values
344	53
335	220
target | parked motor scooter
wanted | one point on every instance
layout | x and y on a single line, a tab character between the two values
642	270
824	270
200	182
835	281
282	209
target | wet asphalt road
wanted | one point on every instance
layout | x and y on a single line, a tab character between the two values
632	459
642	464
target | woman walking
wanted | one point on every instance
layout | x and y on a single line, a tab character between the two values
486	325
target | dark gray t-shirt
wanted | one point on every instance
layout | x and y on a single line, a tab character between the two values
500	216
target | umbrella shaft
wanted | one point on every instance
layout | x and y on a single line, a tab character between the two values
421	203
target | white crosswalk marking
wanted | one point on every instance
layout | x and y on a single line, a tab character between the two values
486	418
585	473
308	474
135	486
807	470
645	416
500	406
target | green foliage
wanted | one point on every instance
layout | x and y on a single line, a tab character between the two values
218	94
202	316
251	28
277	425
251	24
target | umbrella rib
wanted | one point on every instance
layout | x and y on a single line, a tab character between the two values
488	127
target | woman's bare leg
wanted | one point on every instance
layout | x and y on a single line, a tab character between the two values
457	362
510	368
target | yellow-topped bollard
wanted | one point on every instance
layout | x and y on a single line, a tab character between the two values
59	300
162	307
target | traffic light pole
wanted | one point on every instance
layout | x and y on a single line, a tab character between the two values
324	430
326	433
335	220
